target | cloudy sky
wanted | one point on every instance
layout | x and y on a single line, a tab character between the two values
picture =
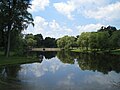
56	18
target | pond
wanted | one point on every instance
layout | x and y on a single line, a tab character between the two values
63	71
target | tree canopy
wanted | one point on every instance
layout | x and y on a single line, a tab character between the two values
106	38
66	42
13	16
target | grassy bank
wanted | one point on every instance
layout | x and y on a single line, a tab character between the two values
81	51
16	60
78	50
115	52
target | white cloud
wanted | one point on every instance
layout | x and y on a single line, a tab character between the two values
110	79
40	69
39	5
56	30
49	29
89	27
65	8
87	4
71	5
54	25
68	29
67	81
109	13
40	23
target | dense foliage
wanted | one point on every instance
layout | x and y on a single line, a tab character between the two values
39	42
106	38
66	42
103	39
14	18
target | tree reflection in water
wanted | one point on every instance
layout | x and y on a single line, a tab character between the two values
95	62
104	65
66	57
8	77
47	55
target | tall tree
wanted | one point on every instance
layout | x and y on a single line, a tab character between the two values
109	29
114	40
30	42
14	16
93	40
83	40
39	39
66	42
102	40
50	42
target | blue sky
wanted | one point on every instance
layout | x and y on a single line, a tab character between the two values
56	18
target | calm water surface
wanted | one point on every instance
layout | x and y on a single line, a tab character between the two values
63	71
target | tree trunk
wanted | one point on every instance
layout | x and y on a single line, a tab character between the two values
8	41
9	30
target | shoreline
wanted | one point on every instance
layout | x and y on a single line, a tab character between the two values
113	52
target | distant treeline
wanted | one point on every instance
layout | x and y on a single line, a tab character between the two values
106	38
21	43
39	42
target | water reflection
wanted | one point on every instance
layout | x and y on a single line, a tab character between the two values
101	63
66	57
63	71
9	77
47	55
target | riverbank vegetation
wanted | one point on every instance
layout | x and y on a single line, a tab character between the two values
94	62
16	60
20	44
105	40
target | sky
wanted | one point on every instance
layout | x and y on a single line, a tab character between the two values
57	18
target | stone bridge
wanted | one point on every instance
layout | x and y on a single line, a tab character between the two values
45	49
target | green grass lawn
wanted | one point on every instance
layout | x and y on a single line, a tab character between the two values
76	50
116	52
81	51
16	60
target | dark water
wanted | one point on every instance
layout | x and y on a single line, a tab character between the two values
63	71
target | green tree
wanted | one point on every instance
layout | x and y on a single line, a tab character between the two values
39	39
17	42
14	15
102	40
66	42
109	29
27	36
93	40
83	40
50	42
114	40
30	42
